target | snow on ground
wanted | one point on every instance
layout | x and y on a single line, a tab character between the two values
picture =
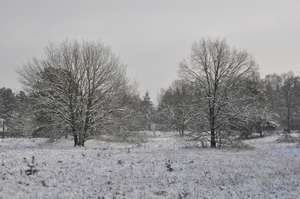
164	167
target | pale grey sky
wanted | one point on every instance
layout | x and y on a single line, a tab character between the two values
153	36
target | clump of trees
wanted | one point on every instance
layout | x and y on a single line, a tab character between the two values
220	94
215	74
15	115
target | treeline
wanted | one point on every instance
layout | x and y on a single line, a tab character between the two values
21	117
275	105
220	94
82	89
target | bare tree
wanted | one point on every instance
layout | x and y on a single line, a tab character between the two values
217	72
288	99
79	87
174	106
272	85
258	116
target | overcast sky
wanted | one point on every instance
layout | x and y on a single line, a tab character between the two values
151	37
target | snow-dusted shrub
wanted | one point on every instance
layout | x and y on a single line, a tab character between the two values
32	166
169	166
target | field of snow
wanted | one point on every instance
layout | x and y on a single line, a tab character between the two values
164	167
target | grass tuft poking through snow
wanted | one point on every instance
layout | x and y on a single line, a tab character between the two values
164	167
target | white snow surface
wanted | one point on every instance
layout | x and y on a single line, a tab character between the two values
120	170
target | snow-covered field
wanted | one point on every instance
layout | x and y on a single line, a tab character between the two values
164	167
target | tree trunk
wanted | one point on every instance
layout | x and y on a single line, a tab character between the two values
213	143
288	121
246	135
81	139
260	129
288	112
182	130
75	139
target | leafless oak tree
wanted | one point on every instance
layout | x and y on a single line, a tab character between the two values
80	86
217	72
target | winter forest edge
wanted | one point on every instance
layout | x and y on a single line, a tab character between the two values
81	89
79	93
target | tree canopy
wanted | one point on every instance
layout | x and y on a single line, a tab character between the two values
80	87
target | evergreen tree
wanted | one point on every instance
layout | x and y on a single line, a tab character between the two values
8	101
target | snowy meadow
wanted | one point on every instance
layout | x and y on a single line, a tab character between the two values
166	166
